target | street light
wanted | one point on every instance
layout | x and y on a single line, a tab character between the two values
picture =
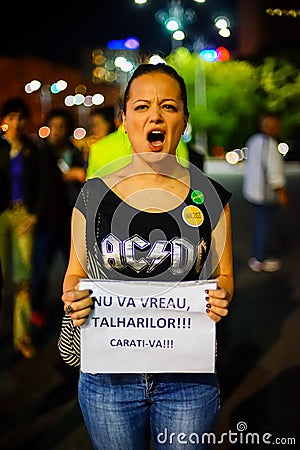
213	55
175	18
172	24
222	23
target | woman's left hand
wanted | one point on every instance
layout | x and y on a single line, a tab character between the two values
78	304
218	301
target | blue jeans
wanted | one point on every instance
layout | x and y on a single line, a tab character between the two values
263	230
126	411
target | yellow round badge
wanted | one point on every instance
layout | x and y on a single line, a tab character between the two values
192	216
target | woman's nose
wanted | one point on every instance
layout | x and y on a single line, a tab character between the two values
155	113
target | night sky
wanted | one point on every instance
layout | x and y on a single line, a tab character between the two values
62	32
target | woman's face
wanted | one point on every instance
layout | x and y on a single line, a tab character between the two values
155	118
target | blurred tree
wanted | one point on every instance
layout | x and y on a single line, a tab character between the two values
229	98
225	98
279	82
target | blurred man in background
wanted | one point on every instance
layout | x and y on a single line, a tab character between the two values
264	187
20	184
63	172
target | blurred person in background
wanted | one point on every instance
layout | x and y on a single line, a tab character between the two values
19	162
4	198
63	172
109	153
264	187
102	122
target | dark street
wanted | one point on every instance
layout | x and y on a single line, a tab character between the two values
258	349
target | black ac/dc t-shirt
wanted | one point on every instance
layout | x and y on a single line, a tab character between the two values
124	243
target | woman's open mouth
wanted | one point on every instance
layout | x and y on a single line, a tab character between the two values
156	138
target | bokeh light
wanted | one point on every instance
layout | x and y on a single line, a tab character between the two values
80	89
44	132
232	157
33	86
88	101
110	76
116	44
78	99
98	99
172	24
61	85
222	22
98	57
178	35
283	148
58	86
79	133
223	54
54	89
69	100
224	32
240	154
156	59
209	54
124	64
131	43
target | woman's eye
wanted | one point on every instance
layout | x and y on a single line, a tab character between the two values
140	107
172	107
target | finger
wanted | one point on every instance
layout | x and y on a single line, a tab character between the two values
213	316
216	314
68	296
81	314
75	295
80	305
216	303
79	322
217	293
87	304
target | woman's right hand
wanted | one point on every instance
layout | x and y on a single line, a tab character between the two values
78	304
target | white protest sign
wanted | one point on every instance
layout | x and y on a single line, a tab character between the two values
140	327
